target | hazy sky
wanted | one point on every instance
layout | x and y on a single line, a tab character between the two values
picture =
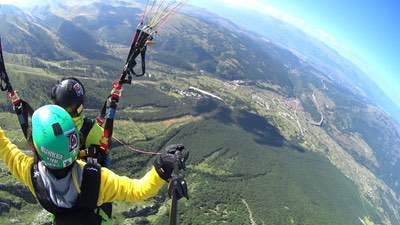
367	31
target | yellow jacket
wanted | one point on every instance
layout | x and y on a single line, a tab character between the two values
95	133
112	186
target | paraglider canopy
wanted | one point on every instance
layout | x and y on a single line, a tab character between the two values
155	15
158	12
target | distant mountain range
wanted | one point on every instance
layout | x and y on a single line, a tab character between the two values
314	51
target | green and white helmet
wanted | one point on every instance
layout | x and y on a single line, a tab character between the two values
55	136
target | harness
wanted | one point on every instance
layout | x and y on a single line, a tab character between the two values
85	130
93	151
85	211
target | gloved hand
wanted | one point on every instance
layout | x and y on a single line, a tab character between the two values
174	156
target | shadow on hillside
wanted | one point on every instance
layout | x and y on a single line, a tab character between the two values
205	106
266	133
224	116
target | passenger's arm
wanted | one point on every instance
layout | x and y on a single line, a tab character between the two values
120	188
117	188
17	162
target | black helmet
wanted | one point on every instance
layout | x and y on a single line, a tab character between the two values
69	93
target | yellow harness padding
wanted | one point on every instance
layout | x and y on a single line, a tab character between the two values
75	180
95	133
112	186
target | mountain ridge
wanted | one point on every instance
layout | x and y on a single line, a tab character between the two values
310	48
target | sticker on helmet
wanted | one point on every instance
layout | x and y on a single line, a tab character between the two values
73	141
51	154
67	162
78	89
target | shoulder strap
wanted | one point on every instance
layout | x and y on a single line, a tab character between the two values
85	130
90	186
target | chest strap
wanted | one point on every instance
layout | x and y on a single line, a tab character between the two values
85	130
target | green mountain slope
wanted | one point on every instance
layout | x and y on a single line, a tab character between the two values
24	35
235	156
281	184
80	41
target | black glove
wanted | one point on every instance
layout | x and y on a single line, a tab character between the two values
178	188
174	156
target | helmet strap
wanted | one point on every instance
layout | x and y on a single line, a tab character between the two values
79	109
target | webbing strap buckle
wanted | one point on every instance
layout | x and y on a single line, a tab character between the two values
14	98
